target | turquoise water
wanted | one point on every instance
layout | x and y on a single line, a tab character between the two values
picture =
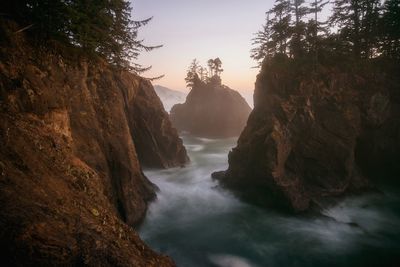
199	224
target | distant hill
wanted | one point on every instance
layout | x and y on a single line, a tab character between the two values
169	97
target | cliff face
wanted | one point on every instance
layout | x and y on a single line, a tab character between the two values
211	110
156	141
73	135
313	137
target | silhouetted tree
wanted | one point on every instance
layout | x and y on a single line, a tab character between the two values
49	18
315	26
262	40
358	21
299	10
390	29
192	77
101	27
281	25
369	26
218	66
210	64
203	73
198	75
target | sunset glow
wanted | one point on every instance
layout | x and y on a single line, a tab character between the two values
201	29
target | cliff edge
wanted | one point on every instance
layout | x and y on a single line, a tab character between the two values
315	136
74	134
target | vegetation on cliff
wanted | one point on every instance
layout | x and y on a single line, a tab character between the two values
102	28
211	109
198	75
326	110
355	30
73	139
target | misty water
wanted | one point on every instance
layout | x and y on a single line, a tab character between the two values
199	224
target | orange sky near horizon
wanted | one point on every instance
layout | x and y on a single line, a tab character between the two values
200	29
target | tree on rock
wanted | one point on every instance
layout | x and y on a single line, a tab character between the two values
210	64
390	29
262	40
298	28
103	28
358	21
281	25
197	74
356	30
215	66
218	66
203	73
192	76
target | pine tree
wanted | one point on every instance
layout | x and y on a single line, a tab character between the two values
203	73
281	25
262	40
299	10
101	27
47	18
369	26
210	64
358	21
315	27
365	29
218	66
390	29
345	16
106	28
192	76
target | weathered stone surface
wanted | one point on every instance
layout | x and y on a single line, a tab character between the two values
70	176
211	110
156	141
307	137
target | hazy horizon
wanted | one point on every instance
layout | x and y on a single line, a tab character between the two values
202	30
247	95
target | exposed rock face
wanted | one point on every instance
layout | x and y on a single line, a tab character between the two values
211	110
72	136
307	136
156	141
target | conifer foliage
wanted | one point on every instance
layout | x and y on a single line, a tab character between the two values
355	30
99	27
197	74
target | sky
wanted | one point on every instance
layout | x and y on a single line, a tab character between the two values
200	29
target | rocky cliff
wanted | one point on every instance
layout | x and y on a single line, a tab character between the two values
211	110
156	141
314	136
73	136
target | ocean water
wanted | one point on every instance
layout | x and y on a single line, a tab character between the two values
198	223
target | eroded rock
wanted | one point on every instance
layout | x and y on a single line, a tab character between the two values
309	137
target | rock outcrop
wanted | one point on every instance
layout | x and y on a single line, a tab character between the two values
211	110
73	135
314	136
156	141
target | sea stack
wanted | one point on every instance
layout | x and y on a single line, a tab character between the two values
211	110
